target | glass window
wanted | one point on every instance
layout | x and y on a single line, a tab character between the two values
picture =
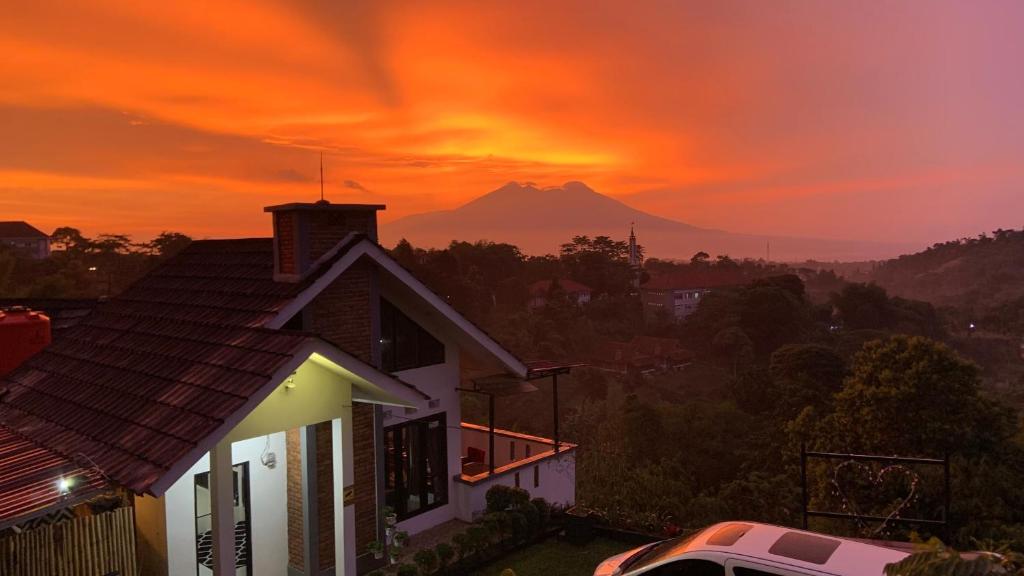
404	343
243	523
416	466
690	567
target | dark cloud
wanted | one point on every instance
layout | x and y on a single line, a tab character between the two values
354	185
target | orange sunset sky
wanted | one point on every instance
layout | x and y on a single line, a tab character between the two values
895	121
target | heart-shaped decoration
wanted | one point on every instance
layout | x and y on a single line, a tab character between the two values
868	478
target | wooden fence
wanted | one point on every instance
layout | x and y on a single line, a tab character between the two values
88	546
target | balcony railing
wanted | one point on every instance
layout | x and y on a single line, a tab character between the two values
532	463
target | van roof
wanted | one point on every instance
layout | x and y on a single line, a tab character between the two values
797	548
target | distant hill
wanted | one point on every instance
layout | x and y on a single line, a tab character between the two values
973	273
539	220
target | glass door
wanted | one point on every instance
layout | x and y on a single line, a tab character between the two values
242	522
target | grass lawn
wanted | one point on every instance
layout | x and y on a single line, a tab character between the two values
554	558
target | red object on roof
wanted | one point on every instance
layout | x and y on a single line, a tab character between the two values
20	229
30	479
23	334
695	279
542	287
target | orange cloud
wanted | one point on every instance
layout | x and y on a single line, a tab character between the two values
190	115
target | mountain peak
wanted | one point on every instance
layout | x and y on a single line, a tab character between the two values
539	220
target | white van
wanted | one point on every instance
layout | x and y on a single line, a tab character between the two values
753	549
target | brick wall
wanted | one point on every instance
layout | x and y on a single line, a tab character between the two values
325	494
365	475
293	448
341	314
284	234
328	227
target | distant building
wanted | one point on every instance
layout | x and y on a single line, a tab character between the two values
679	294
576	292
25	238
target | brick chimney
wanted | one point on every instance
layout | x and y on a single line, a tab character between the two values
303	232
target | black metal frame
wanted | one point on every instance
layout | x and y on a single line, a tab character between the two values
553	373
807	513
401	489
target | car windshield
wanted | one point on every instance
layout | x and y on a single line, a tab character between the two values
657	552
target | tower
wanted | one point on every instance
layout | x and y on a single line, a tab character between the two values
634	257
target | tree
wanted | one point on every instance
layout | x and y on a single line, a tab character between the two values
805	375
700	258
167	244
734	346
912	396
69	239
863	306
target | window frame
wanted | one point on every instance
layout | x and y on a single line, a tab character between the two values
393	465
424	344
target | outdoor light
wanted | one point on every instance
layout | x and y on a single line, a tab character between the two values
64	486
92	268
290	382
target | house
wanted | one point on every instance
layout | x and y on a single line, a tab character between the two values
677	295
25	238
643	354
574	291
278	393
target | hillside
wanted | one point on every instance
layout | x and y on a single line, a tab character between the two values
539	220
971	274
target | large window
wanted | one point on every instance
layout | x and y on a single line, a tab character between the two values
416	466
404	343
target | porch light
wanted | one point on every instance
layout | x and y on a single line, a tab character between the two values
290	382
64	486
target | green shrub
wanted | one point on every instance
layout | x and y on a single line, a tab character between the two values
496	524
501	498
544	509
463	544
479	538
532	516
408	570
518	527
445	554
426	559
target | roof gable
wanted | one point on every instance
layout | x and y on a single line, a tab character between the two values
361	247
20	229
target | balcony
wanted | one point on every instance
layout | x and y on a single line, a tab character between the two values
540	466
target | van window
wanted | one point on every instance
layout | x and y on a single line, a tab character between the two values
741	571
690	567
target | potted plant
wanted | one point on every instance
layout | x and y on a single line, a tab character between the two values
401	538
377	549
390	518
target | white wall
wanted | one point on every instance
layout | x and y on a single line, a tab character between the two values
267	500
439	382
557	485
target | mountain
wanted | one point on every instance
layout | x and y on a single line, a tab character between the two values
969	273
539	220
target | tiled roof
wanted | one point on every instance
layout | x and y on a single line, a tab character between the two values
136	392
693	279
19	229
30	477
222	282
63	313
